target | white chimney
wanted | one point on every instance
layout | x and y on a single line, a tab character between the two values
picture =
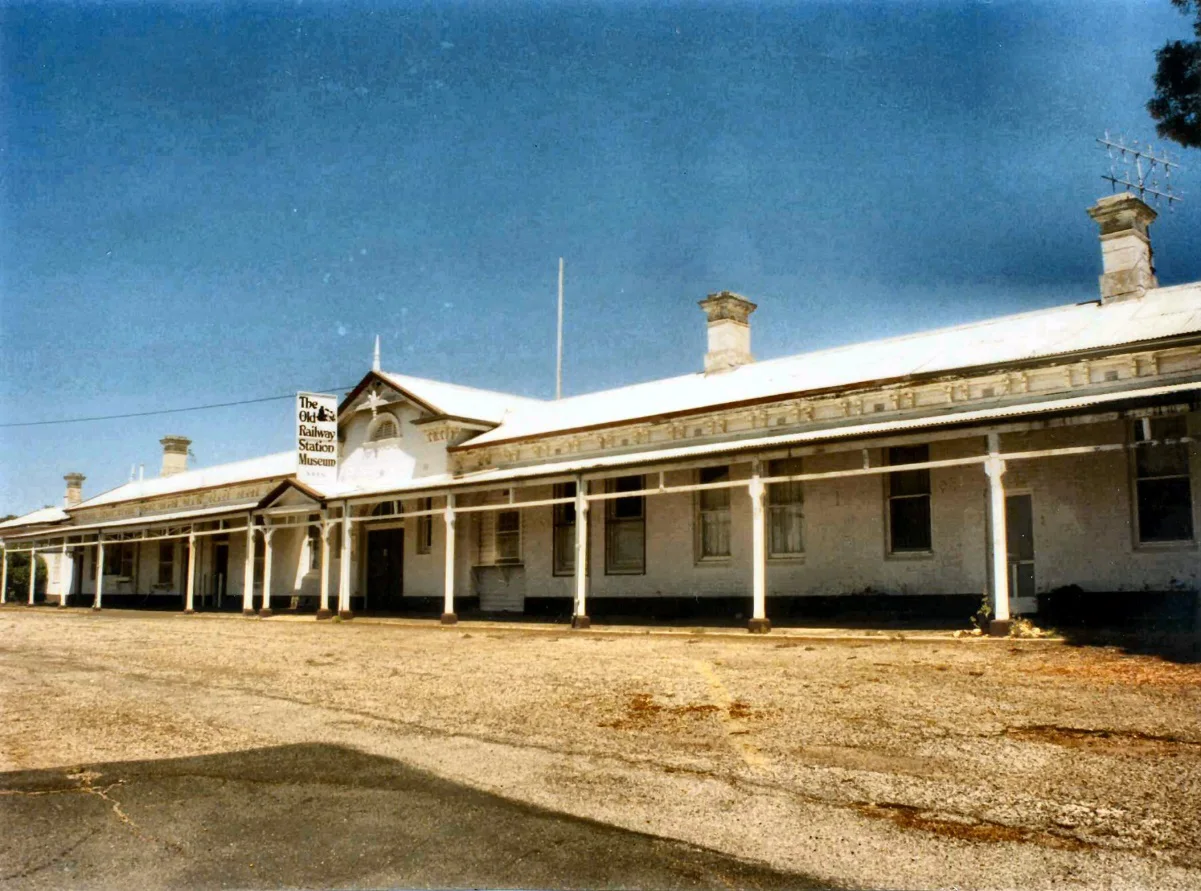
175	454
74	489
729	331
1129	271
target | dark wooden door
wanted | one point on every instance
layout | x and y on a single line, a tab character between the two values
385	568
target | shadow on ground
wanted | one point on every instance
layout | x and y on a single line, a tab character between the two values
1166	624
319	816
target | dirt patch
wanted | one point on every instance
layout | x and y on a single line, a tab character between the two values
1112	741
963	826
643	713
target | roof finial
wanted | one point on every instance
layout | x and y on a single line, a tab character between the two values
375	358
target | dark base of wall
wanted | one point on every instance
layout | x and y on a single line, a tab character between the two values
865	609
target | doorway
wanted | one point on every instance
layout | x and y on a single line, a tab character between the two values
1019	542
220	570
385	569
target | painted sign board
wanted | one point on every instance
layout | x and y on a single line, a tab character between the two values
316	438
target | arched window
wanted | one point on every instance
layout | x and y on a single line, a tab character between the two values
386	509
383	427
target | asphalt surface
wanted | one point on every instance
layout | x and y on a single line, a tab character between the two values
308	816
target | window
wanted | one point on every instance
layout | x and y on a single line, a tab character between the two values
498	533
784	510
385	509
118	560
383	427
1164	498
909	501
508	536
563	521
713	515
314	548
625	528
166	563
260	550
425	526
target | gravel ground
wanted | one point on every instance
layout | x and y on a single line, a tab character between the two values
866	762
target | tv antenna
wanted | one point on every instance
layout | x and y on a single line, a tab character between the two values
1140	169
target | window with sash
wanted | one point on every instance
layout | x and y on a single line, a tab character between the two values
425	526
909	501
713	515
166	563
625	528
563	523
785	510
118	559
1163	488
499	537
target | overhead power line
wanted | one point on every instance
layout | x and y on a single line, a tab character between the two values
162	411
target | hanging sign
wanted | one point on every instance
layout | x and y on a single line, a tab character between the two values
316	438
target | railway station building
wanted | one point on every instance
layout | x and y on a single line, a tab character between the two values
1001	462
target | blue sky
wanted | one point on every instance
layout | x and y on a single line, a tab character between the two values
204	202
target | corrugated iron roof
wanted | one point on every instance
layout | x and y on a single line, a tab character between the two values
280	464
41	516
463	402
847	431
1162	313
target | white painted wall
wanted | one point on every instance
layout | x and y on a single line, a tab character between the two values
401	459
1083	533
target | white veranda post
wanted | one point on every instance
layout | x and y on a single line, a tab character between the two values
248	570
995	468
448	574
191	584
326	528
33	573
344	565
759	623
579	618
66	576
96	603
4	578
267	533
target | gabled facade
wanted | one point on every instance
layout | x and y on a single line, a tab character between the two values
1005	459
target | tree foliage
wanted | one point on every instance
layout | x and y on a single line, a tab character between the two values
1176	105
18	578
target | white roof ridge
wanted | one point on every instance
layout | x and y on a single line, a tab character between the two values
398	376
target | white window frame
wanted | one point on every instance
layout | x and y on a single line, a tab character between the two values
613	524
701	514
1145	428
424	540
563	517
790	505
166	547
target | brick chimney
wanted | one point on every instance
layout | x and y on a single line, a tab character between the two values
74	489
729	331
175	454
1125	247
